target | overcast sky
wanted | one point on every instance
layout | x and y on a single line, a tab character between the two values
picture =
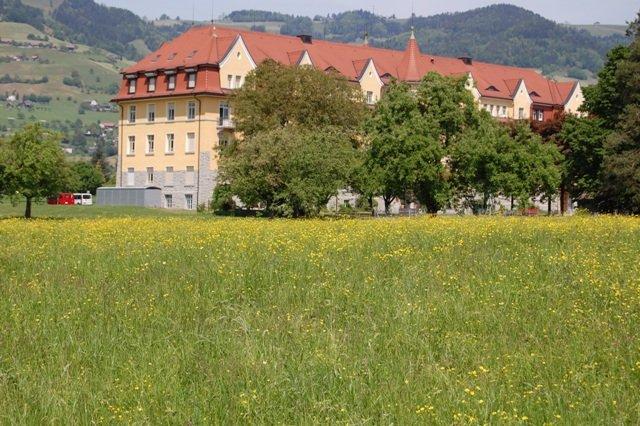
572	11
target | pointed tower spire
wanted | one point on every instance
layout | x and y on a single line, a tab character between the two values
366	38
409	69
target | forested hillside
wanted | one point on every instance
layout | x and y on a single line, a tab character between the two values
110	28
16	11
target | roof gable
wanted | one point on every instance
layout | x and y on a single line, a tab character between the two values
238	45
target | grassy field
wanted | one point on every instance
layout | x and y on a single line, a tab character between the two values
602	30
44	211
198	320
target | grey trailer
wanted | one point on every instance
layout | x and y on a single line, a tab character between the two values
142	197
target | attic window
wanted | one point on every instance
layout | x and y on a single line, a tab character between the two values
534	94
156	58
172	56
192	54
239	55
492	89
191	80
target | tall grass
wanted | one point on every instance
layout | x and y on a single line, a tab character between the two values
185	320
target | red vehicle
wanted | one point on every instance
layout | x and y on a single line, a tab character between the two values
64	199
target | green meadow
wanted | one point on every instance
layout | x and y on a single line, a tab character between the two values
190	319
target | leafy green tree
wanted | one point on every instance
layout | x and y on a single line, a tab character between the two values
34	165
292	171
446	103
605	99
85	177
583	140
300	135
475	162
621	166
493	160
621	189
405	153
537	164
275	96
99	158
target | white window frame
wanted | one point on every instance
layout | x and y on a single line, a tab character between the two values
190	143
131	176
191	80
150	176
151	113
521	113
171	82
190	176
224	113
170	143
151	84
131	145
230	81
171	111
188	199
238	83
151	145
132	85
132	113
168	201
369	97
192	108
168	176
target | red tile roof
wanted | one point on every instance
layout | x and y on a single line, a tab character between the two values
208	45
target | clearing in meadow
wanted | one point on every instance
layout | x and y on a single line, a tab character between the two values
194	320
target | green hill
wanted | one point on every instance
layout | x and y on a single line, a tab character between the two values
56	86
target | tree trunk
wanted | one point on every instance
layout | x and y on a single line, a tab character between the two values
27	210
387	205
549	206
564	200
512	203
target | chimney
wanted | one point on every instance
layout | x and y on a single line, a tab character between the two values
306	38
468	60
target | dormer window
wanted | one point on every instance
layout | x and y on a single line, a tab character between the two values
171	82
370	100
191	80
152	84
132	86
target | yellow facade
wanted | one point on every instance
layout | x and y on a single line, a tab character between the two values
204	126
575	102
371	84
235	66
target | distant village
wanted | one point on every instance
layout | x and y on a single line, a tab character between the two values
31	101
39	43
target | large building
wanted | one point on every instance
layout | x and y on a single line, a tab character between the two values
175	110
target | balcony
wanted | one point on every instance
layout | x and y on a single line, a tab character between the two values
226	123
